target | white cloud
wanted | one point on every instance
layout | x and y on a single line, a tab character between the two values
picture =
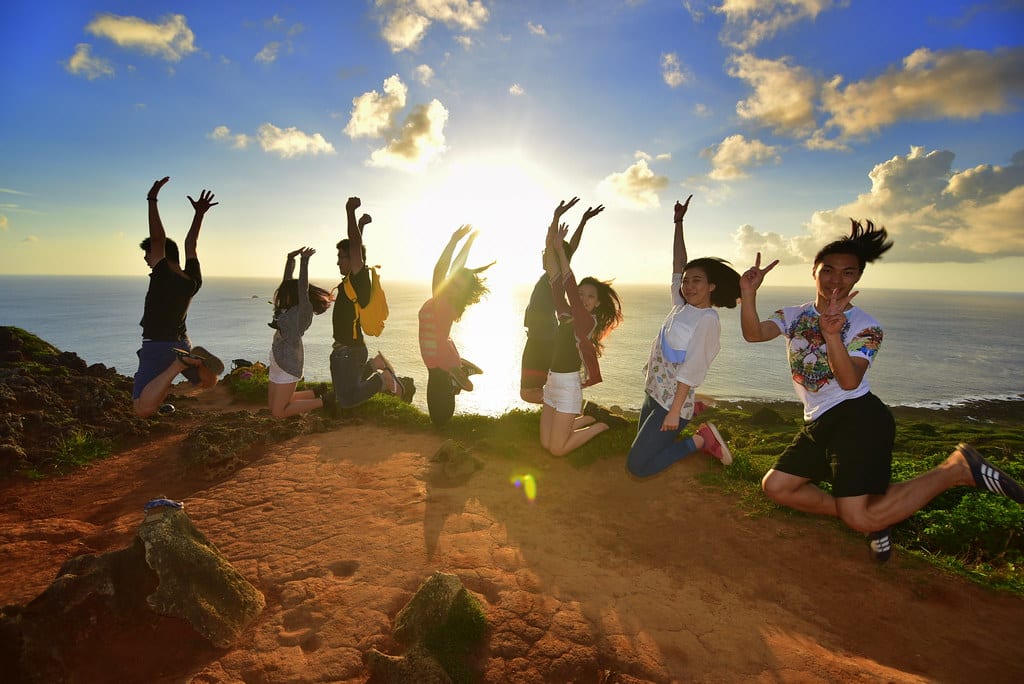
515	89
424	74
291	142
465	41
671	70
420	140
933	213
223	134
170	39
638	185
405	22
954	84
30	239
83	63
749	22
783	97
733	156
536	29
701	109
373	114
269	52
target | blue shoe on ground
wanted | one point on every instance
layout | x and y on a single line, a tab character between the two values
881	544
988	477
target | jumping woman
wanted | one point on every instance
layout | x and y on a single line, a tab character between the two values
295	302
454	288
586	313
680	358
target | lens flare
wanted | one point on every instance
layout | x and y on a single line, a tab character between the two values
525	482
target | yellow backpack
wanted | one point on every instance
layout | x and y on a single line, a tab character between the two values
373	315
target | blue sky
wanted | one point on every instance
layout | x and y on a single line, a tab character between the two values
784	118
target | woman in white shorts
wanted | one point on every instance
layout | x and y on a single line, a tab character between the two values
586	313
295	302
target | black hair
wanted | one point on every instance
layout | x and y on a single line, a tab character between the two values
343	247
607	313
722	276
865	243
474	290
170	249
287	295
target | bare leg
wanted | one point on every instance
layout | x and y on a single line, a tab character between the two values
797	492
154	393
284	401
564	438
902	499
583	421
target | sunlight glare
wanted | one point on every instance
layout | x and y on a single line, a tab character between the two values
502	195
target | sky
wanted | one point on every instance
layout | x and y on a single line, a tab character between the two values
783	118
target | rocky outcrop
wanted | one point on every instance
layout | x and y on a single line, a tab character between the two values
442	626
171	578
56	410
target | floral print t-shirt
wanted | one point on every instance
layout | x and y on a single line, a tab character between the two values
807	352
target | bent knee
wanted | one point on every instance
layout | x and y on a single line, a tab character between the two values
773	486
860	520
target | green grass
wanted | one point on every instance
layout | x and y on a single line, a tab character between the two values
73	451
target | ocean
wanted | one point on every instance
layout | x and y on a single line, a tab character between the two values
940	348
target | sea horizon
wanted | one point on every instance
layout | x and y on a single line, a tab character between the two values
929	358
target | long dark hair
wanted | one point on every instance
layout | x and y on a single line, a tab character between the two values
722	276
607	313
866	243
287	295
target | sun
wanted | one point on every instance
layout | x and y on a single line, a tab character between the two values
507	200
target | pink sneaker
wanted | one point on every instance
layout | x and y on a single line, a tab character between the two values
714	444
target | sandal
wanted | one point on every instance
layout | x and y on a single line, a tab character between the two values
204	357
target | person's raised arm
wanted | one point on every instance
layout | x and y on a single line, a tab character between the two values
444	262
289	264
304	254
201	206
754	329
463	255
157	234
577	235
679	241
355	234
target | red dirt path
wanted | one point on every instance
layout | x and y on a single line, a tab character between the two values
601	579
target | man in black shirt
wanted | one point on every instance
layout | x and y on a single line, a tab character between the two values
166	350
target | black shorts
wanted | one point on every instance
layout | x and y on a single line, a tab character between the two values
850	446
536	362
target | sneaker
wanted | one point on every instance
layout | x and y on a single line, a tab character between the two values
408	389
165	409
330	401
204	357
470	368
599	412
880	543
714	444
988	477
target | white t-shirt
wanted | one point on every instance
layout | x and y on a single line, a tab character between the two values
697	331
806	350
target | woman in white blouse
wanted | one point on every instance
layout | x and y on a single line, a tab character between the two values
680	358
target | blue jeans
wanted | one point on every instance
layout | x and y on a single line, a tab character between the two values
352	384
653	450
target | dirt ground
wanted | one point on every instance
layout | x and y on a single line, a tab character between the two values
602	578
